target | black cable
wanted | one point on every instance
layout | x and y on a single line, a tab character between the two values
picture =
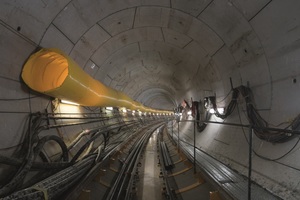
19	99
263	157
231	106
35	165
83	147
227	95
255	119
58	140
275	159
31	138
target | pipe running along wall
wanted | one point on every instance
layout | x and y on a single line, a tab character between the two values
53	73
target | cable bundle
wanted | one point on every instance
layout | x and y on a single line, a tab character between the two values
260	126
32	146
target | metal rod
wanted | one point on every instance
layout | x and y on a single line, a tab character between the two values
247	126
172	130
250	163
223	123
178	138
195	170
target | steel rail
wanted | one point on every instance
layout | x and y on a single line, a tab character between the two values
126	169
131	178
125	178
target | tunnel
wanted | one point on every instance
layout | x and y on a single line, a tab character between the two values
215	89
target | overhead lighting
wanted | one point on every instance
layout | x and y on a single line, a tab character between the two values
189	112
69	102
220	110
109	108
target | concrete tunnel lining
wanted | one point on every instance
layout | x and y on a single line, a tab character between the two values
251	42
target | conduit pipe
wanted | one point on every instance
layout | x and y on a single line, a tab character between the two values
53	73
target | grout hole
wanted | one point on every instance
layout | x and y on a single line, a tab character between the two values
294	80
18	28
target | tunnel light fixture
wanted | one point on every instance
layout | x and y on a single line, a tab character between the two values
124	110
220	110
133	111
109	108
69	102
189	112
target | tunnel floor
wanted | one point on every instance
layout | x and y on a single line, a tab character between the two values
150	184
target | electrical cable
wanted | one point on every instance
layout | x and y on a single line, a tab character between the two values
95	136
260	125
35	165
32	146
32	151
54	185
58	140
261	156
227	95
19	99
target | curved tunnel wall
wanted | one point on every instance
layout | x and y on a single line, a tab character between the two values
200	44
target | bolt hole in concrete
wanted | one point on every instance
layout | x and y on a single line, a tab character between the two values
294	80
150	185
18	28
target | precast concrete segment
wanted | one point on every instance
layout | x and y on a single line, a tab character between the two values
53	73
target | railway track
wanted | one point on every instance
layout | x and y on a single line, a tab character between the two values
123	175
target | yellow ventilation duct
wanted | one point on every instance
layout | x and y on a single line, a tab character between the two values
53	73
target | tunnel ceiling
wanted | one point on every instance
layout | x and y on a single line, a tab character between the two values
159	52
